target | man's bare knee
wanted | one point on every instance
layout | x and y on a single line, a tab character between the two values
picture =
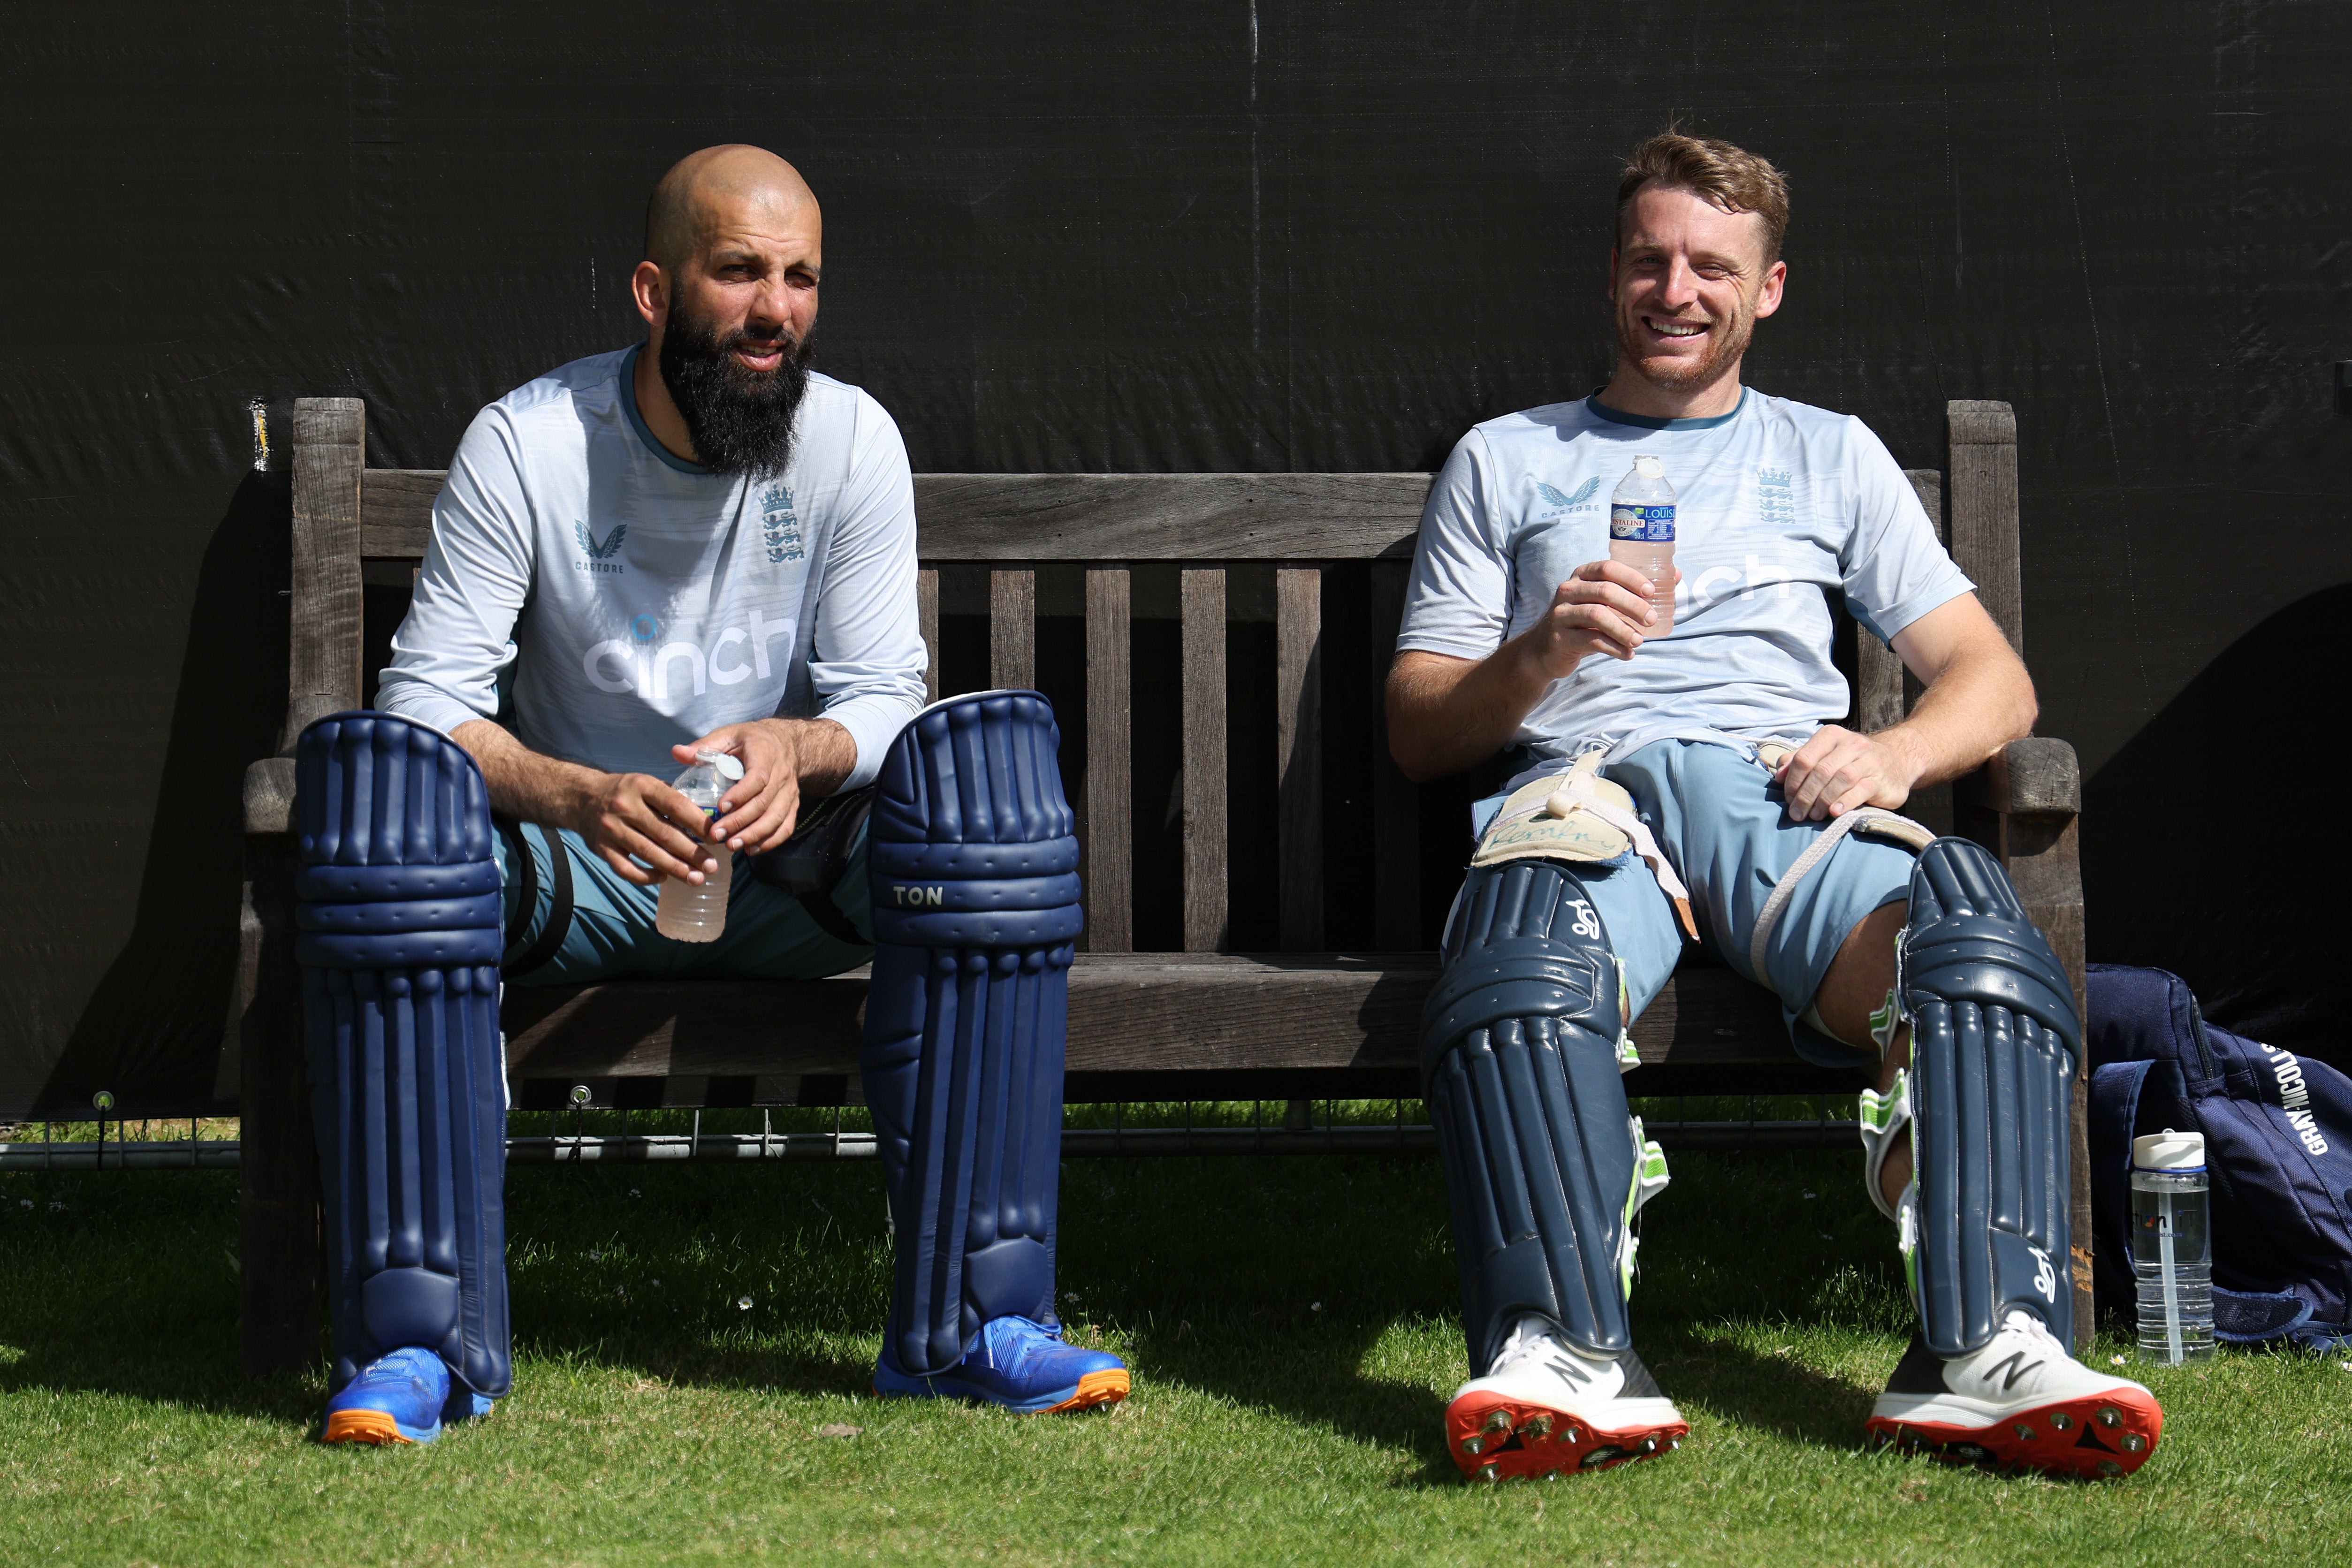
1859	979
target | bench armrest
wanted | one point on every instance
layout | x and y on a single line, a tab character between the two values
2037	777
269	796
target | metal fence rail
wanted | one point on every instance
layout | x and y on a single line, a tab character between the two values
1297	1133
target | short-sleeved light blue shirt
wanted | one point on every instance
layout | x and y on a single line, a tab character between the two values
1779	506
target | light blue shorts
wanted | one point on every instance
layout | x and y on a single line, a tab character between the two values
770	935
1723	824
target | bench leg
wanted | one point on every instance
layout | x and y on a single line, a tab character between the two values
278	1247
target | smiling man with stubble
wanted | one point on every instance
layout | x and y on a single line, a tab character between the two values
1692	784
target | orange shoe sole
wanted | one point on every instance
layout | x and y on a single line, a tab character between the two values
1495	1439
1095	1388
2098	1437
361	1426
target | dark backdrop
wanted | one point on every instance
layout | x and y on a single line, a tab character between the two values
1223	235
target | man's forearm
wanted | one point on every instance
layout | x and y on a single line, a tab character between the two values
823	753
524	784
1966	716
1447	714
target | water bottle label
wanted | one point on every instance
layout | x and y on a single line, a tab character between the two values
1649	524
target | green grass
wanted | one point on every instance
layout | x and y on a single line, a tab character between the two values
1291	1325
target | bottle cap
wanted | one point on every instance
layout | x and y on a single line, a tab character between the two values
1650	467
2168	1151
728	766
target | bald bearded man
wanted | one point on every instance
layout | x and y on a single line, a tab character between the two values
691	549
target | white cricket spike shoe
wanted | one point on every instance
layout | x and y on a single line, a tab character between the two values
2020	1402
1547	1409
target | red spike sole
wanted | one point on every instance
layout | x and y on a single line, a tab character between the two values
1495	1439
2097	1437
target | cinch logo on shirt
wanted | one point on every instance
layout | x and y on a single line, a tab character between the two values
779	526
599	556
1715	582
618	667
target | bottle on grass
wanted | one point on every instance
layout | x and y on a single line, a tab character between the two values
2172	1246
1642	535
687	911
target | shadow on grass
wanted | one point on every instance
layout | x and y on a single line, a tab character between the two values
1320	1289
1767	1392
124	1284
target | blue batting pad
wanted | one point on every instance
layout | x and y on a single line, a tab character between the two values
1520	1072
399	940
973	858
1995	1043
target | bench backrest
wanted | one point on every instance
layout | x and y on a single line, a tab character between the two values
1317	536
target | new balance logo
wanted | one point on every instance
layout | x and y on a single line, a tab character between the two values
1570	1370
2017	1364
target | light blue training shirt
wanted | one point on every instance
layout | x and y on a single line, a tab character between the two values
1778	506
640	601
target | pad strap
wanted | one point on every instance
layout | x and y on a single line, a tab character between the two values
524	957
1872	819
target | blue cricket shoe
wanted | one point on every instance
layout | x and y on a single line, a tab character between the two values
400	1397
1021	1366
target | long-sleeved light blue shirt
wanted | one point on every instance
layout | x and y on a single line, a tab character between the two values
637	601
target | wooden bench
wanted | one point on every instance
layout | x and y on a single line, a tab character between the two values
1219	561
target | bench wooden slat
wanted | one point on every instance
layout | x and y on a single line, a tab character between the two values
1069	517
1012	630
1109	877
1204	613
926	613
330	466
1167	517
1983	502
396	510
1298	749
1396	808
1195	1012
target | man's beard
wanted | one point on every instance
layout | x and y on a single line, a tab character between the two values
741	421
1678	374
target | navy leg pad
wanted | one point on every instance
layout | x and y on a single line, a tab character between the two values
1995	1043
398	938
1520	1072
973	856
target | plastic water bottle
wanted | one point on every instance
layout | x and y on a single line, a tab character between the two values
687	912
2172	1246
1642	535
